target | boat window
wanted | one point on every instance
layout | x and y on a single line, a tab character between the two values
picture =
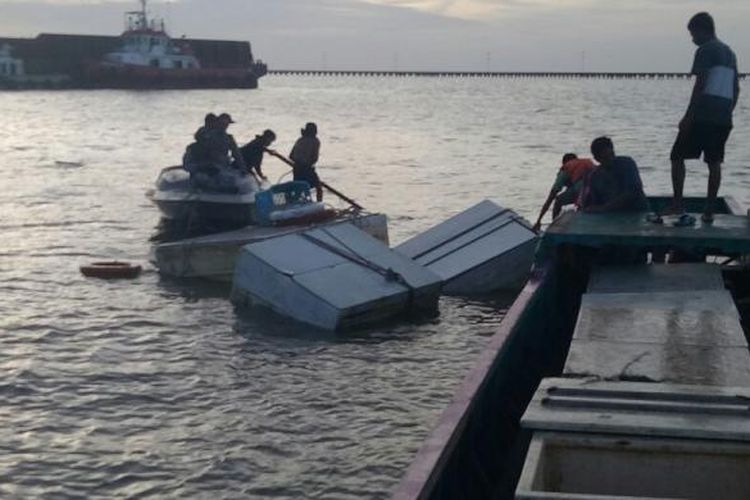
155	63
178	64
2	68
11	69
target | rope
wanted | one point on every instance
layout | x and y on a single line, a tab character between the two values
388	273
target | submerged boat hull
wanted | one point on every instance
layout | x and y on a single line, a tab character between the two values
213	257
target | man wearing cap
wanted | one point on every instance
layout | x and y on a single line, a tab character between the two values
222	144
304	155
218	144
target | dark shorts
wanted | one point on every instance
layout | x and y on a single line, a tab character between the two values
307	174
700	138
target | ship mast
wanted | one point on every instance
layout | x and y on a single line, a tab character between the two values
144	19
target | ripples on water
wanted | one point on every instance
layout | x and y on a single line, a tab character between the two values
157	388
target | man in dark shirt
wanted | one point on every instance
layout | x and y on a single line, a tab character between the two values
708	119
252	152
615	185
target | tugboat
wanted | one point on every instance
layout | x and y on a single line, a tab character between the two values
147	58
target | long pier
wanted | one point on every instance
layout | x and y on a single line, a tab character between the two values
488	74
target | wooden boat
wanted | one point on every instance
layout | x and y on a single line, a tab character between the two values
478	448
482	249
214	256
335	278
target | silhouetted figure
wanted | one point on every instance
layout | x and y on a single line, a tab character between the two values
305	155
208	159
571	176
615	185
196	156
708	119
252	152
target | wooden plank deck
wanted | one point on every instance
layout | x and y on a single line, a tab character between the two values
706	318
655	278
691	337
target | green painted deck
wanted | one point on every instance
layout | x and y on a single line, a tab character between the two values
728	235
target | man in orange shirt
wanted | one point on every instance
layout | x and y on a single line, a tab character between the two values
571	175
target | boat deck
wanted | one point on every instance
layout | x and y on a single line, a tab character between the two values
728	235
641	279
663	323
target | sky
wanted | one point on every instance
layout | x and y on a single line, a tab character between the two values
447	35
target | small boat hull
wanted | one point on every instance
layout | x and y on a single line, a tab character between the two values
179	200
213	256
233	213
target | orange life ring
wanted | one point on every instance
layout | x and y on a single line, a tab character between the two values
111	270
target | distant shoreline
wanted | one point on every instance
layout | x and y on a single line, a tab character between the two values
491	74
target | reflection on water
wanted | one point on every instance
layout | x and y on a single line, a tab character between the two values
155	387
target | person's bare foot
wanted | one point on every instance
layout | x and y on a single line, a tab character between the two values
707	218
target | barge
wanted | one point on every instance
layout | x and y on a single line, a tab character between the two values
681	355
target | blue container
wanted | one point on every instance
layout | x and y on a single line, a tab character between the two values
279	197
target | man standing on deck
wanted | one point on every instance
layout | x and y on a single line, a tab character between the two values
708	119
305	155
571	176
615	185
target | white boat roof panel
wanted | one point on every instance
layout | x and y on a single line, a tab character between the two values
481	213
655	278
641	409
482	250
468	240
342	264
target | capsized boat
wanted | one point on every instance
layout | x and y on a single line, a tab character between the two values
178	198
478	448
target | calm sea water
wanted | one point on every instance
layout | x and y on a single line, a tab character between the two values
157	388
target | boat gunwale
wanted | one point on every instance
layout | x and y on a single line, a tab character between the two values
424	474
427	466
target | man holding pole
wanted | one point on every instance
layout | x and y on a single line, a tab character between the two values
305	155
